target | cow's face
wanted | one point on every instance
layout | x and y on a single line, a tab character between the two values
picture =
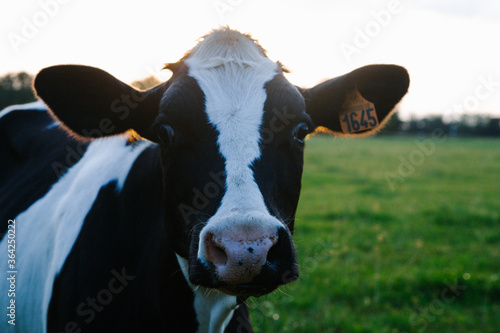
232	167
231	133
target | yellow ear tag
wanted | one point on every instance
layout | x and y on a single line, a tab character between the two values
357	114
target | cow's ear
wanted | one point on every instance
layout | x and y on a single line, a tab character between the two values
357	102
92	103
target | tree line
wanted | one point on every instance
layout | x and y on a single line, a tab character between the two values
16	88
466	125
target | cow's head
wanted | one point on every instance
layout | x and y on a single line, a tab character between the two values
231	130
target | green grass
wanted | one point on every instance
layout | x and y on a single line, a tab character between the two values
420	255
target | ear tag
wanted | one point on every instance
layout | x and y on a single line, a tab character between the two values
357	114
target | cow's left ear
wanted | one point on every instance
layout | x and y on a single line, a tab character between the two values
357	102
92	103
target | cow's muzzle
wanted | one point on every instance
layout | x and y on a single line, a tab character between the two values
247	262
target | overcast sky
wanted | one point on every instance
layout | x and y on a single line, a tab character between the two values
450	48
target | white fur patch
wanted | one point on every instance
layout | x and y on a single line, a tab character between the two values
34	106
47	230
38	105
214	309
232	72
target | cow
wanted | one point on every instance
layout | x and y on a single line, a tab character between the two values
164	210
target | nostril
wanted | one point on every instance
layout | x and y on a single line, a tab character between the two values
282	253
273	255
216	254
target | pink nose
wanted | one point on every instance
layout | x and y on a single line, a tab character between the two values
238	259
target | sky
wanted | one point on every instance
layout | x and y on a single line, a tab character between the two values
450	48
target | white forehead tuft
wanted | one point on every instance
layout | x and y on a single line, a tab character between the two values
225	45
232	71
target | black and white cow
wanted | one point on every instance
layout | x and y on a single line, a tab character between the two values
171	226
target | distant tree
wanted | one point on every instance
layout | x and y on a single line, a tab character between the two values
435	122
146	83
393	125
479	125
15	88
492	128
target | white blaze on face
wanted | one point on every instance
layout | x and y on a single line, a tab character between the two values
232	72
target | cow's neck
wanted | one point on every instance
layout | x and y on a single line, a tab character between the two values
213	309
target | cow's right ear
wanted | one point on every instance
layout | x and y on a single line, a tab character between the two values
92	103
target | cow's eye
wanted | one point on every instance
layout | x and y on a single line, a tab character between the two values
166	134
300	132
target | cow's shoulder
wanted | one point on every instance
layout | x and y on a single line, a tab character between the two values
20	129
35	152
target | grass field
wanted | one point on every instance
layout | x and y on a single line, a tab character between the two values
393	235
